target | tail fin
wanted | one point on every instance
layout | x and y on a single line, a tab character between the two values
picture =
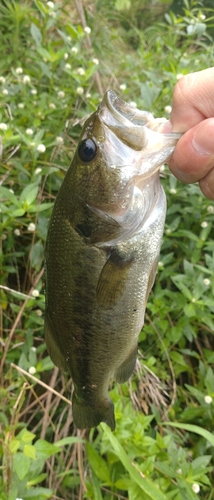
90	414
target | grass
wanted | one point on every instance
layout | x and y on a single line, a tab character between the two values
53	73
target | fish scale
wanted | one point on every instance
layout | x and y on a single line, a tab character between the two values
102	250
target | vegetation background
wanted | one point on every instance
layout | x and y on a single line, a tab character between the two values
57	59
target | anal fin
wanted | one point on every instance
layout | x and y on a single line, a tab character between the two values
52	346
126	368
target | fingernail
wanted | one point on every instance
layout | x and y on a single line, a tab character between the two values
167	128
203	141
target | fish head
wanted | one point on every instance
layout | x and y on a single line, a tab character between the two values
120	147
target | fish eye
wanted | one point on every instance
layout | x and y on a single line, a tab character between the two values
87	150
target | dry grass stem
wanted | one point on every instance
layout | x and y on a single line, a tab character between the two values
18	318
20	370
174	385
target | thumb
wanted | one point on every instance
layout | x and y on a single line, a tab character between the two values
193	158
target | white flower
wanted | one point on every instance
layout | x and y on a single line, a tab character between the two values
52	14
3	126
193	300
160	264
204	224
179	76
50	5
195	487
69	38
33	348
59	139
11	191
33	91
61	94
122	86
52	105
31	227
168	231
210	209
179	471
95	61
74	50
17	232
201	17
21	105
35	293
37	171
208	399
133	104
66	56
39	313
19	71
19	498
32	370
168	109
87	30
80	90
80	71
5	92
41	148
173	191
88	95
2	79
26	79
32	144
29	131
206	281
67	66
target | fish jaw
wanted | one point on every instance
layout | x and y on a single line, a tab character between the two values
130	149
137	134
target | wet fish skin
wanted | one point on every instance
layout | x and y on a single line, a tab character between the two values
102	250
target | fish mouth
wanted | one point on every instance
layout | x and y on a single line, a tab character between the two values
138	130
123	113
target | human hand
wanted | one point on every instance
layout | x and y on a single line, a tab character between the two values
193	114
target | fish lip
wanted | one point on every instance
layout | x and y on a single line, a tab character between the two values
122	112
136	134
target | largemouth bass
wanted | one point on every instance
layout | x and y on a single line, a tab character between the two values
102	250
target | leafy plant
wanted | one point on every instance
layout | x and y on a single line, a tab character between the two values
57	60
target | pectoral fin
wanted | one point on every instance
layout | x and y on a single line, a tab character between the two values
112	279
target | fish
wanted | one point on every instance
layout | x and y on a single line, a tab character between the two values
102	251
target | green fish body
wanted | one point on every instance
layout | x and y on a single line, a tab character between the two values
102	250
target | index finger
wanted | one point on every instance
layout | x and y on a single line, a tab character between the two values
193	100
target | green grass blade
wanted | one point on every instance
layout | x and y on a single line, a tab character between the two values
193	428
144	483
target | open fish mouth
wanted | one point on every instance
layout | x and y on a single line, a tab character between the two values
125	113
138	130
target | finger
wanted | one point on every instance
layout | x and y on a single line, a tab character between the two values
193	156
207	185
193	100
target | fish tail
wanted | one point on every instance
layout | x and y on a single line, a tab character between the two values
90	414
